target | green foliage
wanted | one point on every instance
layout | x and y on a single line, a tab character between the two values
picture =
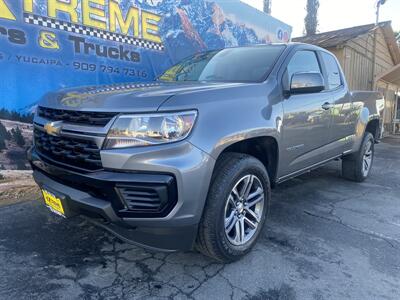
4	133
2	143
18	158
18	137
267	6
311	19
15	116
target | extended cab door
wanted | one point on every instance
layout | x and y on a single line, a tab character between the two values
343	118
306	120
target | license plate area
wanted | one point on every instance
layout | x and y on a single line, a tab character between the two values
55	202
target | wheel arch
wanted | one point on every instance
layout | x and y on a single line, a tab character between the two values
264	148
373	127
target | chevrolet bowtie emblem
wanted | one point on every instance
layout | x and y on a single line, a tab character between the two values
53	128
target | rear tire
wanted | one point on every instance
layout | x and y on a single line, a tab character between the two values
357	166
236	208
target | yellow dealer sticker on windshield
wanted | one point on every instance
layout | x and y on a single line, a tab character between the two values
53	203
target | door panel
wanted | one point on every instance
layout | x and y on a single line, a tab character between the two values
343	124
342	111
305	131
306	124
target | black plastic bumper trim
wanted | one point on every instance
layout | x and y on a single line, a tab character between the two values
163	237
166	240
102	185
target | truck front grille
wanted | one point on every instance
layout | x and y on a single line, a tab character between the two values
78	153
77	117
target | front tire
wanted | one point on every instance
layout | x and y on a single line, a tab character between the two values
357	166
236	208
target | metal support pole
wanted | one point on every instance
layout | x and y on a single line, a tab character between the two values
396	118
378	6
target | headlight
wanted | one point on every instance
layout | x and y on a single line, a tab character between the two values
149	129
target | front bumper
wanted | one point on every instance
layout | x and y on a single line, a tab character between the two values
91	194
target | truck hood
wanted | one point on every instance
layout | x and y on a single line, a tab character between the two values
138	97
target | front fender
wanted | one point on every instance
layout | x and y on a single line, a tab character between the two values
237	137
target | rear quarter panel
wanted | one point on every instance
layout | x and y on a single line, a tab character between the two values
367	106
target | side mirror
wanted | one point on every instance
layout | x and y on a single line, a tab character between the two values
306	82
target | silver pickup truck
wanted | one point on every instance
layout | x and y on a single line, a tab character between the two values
188	161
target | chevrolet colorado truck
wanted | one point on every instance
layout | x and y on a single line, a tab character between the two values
188	161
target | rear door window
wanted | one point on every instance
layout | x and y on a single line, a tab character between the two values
333	71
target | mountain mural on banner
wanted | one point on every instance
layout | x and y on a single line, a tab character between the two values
47	45
189	26
52	53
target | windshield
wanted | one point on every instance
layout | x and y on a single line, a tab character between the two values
245	64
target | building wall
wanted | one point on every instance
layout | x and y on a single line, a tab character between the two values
357	58
358	69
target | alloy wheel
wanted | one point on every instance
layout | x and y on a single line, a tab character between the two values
243	210
367	159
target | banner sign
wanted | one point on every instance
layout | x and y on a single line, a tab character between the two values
51	44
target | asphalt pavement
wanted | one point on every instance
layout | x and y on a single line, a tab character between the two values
326	238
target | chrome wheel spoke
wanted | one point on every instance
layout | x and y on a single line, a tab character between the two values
241	229
236	193
237	233
229	219
366	164
232	201
231	224
253	214
255	201
247	187
258	192
367	159
250	223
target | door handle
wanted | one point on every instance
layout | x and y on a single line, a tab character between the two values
327	105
